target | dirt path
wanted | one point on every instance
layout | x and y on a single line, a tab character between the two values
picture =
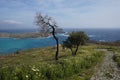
108	70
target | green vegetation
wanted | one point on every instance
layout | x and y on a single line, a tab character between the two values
116	50
75	40
39	64
111	46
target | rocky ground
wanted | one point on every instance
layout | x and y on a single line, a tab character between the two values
108	70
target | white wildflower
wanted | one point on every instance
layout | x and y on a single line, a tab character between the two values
35	69
26	76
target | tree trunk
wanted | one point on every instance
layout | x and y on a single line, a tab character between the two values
56	56
76	50
57	42
72	51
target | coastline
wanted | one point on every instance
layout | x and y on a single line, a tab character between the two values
24	35
28	35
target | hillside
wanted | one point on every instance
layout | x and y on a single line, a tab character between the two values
91	62
39	64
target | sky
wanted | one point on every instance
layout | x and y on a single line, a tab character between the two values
20	14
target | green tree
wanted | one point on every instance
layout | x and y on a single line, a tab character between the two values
75	40
47	24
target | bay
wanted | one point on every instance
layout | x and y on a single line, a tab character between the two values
10	45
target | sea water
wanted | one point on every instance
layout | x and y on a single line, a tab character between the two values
106	35
10	45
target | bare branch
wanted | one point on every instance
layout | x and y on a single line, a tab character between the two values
46	24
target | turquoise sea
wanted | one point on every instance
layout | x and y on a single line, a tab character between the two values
10	45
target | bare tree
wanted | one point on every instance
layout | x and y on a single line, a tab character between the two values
47	24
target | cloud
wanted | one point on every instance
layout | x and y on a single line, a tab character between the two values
13	22
84	13
97	14
68	13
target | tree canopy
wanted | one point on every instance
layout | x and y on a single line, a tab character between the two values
75	40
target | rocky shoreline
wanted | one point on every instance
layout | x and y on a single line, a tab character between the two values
24	35
30	34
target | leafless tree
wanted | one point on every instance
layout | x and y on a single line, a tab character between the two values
47	24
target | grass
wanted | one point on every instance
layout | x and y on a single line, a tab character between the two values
116	50
39	64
